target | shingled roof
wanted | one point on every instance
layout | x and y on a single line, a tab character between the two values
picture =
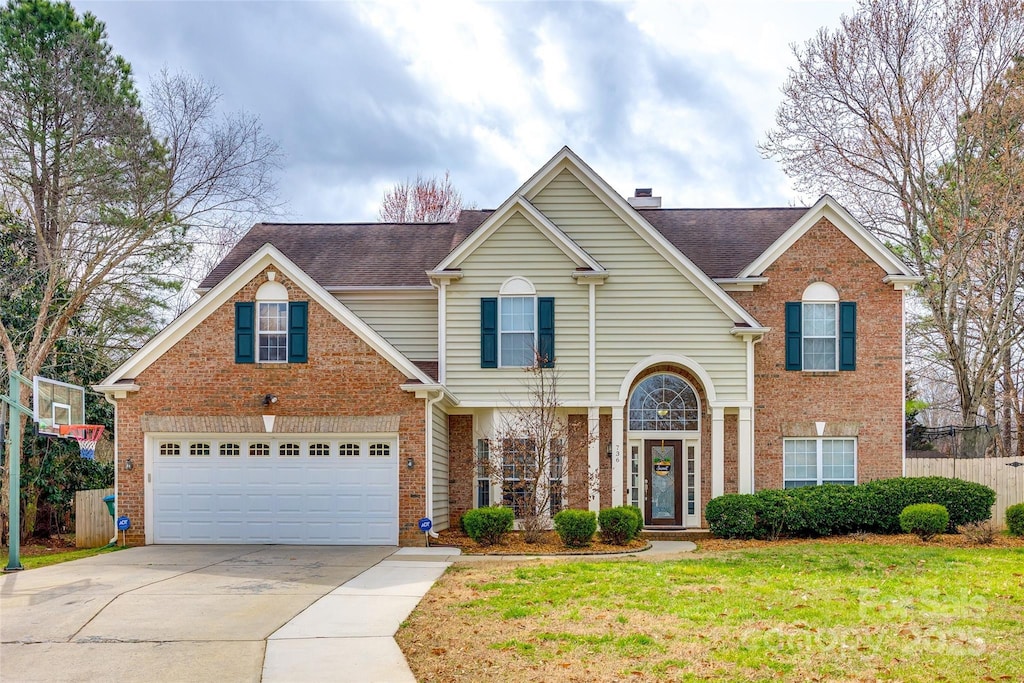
721	242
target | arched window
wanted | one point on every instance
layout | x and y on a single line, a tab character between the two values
272	323
663	402
820	325
517	323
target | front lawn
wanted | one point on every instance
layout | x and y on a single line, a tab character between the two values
33	557
811	611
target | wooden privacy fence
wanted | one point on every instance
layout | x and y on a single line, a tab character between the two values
93	525
1000	474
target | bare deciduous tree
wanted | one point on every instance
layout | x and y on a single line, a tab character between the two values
427	200
909	113
528	455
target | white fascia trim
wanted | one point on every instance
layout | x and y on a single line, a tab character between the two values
429	391
740	284
829	208
264	256
519	203
902	282
749	331
115	391
443	276
566	159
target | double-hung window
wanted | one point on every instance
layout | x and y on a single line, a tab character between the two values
821	331
272	332
808	462
517	327
821	346
517	337
271	329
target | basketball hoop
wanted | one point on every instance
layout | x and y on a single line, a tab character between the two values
87	437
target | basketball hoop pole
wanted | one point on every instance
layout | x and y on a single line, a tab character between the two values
13	401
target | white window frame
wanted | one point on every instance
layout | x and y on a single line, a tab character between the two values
517	288
260	332
819	294
819	460
483	459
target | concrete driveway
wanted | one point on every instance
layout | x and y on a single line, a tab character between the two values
182	613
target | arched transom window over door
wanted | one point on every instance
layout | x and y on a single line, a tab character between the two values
663	403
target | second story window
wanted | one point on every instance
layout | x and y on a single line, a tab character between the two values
517	327
821	331
271	329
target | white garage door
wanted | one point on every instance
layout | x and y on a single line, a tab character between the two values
332	490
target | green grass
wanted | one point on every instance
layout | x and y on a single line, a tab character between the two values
847	612
36	561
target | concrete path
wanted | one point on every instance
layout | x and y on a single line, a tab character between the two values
348	635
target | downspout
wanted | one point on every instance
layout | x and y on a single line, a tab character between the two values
753	411
903	377
117	469
429	466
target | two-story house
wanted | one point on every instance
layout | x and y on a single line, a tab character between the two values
336	383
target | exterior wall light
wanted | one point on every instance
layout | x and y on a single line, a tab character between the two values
410	463
269	399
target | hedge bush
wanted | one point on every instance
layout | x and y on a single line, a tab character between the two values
486	526
832	509
924	519
619	525
576	528
1015	519
733	515
965	501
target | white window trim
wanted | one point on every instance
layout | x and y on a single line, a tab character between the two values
502	333
819	293
260	332
820	466
483	448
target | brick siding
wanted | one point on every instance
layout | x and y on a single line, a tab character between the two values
344	376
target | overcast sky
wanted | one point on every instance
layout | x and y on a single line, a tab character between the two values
673	96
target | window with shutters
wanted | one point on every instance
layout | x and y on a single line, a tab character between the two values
517	328
821	331
271	329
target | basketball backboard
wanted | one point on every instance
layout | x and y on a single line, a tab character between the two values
56	403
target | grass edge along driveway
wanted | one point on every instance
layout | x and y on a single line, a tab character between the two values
802	612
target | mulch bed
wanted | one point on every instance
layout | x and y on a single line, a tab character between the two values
551	544
45	546
1001	540
513	544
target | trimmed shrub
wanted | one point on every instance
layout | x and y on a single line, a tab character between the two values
779	514
733	515
576	528
1015	519
924	519
639	518
486	526
619	525
965	501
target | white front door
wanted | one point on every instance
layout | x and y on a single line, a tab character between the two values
309	489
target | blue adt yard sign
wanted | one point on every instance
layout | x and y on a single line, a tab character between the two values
425	524
123	523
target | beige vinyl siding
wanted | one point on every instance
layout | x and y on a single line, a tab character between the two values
516	248
406	319
647	306
439	495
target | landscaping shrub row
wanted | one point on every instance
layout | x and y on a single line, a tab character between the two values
831	509
576	528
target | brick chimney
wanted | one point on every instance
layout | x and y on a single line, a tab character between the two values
643	199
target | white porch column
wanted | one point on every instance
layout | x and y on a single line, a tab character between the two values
617	459
717	451
593	458
746	452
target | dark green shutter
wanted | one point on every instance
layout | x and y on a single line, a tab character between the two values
848	335
298	338
245	332
546	331
794	315
489	332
